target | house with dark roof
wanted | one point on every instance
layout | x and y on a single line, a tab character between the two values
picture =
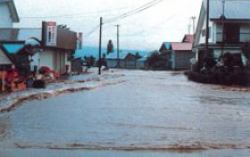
229	30
8	14
128	59
178	53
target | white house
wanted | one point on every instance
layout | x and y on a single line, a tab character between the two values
8	14
229	29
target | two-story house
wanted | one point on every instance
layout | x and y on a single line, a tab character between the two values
229	29
8	14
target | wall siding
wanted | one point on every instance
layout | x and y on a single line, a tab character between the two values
6	21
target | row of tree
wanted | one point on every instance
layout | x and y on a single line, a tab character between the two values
157	61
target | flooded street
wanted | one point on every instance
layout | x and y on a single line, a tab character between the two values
147	114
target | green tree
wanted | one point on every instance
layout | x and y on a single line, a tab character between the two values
110	47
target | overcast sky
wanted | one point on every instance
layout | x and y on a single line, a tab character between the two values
166	21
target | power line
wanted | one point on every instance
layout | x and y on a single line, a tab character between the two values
135	11
75	15
127	14
92	31
150	28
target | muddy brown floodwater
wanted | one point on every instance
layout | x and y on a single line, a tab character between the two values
147	114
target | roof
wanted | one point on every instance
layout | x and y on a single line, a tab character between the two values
165	46
234	9
88	52
181	46
20	34
13	48
188	38
125	53
12	8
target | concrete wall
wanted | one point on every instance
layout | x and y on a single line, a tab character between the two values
47	59
5	16
54	59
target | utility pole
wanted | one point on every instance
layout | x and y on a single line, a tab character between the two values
100	48
193	18
223	18
118	46
207	29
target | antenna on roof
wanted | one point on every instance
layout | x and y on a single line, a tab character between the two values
193	18
223	7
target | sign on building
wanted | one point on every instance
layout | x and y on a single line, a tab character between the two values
58	36
50	33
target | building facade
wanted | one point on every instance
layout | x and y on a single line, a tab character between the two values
178	54
8	14
229	29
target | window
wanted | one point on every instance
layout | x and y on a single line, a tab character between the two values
232	33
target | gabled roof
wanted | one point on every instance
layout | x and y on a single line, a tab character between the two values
181	46
165	46
234	9
188	38
12	8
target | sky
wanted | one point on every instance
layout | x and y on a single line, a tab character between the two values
168	20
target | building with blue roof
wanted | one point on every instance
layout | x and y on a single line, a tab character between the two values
128	58
229	29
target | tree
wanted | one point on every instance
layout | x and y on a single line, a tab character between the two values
157	61
110	47
137	55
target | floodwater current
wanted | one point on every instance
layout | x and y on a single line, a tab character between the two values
147	114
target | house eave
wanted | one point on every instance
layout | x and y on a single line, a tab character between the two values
219	46
231	20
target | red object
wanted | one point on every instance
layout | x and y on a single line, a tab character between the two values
11	75
45	70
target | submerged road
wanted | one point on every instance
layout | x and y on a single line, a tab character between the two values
146	114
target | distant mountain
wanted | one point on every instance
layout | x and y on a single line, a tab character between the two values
94	51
